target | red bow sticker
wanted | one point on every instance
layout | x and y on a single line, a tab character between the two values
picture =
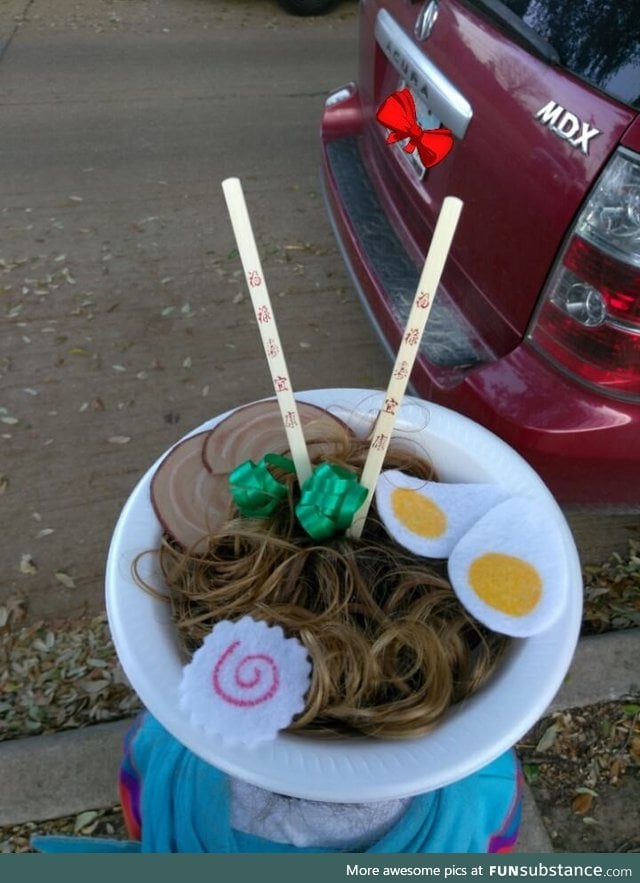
398	113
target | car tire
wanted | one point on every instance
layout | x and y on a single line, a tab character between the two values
306	7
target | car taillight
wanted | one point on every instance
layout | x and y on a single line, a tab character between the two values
589	319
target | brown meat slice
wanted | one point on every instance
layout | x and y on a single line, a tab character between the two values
190	489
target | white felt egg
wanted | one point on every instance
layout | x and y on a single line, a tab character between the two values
429	517
509	570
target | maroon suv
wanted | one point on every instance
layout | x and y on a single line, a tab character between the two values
535	331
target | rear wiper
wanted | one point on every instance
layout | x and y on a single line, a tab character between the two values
521	31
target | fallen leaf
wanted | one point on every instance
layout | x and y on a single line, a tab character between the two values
581	803
27	564
119	439
44	646
67	581
93	687
45	532
615	770
548	738
83	820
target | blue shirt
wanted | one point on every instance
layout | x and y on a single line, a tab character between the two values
184	806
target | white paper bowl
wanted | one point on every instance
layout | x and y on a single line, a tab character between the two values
353	770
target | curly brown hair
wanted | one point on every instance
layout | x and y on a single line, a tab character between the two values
392	647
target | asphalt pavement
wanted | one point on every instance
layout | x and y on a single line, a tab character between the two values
126	318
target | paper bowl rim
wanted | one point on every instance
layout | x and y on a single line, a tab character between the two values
353	770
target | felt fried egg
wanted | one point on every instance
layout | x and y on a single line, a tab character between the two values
509	570
429	517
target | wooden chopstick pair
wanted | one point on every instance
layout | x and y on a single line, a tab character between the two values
405	358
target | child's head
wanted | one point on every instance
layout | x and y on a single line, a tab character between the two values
391	646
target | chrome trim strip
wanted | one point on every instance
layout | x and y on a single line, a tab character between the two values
426	19
620	325
422	76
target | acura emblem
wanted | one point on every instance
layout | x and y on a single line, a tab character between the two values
426	19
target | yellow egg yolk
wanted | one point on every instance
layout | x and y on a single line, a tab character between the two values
418	513
506	583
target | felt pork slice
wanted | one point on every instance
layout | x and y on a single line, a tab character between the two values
510	570
187	499
190	489
254	430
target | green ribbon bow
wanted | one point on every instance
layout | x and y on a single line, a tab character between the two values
329	499
255	491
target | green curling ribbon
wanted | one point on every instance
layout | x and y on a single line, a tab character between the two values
330	498
255	491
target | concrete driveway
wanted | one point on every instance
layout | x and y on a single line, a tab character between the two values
125	318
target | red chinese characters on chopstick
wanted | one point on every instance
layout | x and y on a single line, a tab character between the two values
406	356
267	325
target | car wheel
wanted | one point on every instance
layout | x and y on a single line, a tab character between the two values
306	7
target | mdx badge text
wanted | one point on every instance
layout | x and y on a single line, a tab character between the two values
566	125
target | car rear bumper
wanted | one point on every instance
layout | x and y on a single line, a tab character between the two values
583	444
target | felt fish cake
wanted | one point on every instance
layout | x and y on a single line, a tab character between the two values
430	517
510	569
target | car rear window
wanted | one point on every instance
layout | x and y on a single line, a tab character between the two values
597	40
